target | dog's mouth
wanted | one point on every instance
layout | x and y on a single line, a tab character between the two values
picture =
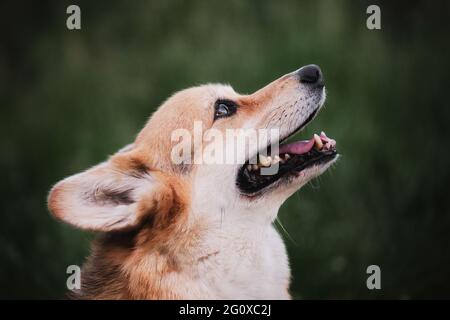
292	159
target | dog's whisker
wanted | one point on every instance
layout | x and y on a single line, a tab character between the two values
285	231
222	213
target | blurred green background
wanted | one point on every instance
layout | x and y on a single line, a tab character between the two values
70	98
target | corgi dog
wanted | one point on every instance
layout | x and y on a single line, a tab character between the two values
196	230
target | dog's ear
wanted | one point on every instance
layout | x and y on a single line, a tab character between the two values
113	195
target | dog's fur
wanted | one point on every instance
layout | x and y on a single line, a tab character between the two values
171	231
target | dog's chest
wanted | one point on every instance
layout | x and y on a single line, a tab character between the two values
246	265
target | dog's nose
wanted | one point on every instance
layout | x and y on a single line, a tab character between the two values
311	74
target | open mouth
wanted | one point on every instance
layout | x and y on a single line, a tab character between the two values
292	159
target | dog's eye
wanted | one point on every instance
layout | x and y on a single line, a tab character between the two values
224	108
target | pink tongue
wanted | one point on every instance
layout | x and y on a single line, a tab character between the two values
297	147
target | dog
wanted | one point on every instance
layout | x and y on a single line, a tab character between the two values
197	230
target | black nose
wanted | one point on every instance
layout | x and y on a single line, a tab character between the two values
311	74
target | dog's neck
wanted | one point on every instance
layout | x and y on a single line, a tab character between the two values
217	258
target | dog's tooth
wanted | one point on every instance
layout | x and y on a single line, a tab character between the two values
265	161
318	142
276	159
323	134
332	142
286	156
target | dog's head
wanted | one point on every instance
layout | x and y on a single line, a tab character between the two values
207	151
